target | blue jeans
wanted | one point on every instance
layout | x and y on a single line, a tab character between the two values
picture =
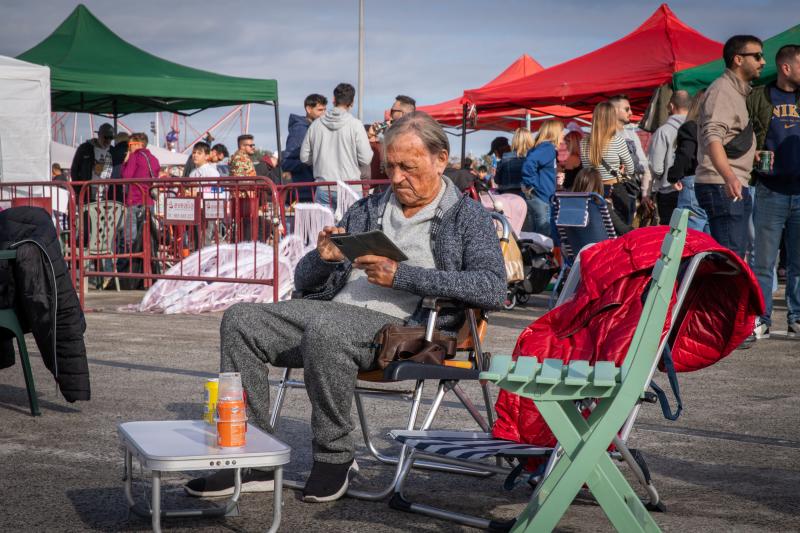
728	220
772	212
326	196
538	218
698	220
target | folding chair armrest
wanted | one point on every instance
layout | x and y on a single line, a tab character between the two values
410	370
437	303
8	254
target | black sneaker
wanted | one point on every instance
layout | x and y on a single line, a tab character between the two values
221	483
328	482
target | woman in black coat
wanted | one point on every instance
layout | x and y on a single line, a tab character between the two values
681	173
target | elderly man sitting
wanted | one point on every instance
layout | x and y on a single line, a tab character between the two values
453	252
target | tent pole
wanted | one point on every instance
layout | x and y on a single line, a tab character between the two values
278	136
463	135
114	110
528	120
360	92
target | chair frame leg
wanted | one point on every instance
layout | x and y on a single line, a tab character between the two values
28	373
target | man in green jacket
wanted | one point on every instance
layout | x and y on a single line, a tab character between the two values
774	114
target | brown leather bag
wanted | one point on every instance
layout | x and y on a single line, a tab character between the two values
394	342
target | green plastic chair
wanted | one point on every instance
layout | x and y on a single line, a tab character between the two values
555	387
9	321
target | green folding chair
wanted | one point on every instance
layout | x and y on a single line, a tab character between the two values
10	322
555	387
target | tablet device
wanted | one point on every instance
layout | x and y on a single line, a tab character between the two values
370	243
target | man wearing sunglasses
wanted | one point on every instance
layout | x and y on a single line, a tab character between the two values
726	148
241	163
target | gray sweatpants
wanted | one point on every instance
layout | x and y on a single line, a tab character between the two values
329	341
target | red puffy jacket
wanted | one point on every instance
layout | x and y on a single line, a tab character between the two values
598	322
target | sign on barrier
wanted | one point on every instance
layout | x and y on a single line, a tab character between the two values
182	210
213	209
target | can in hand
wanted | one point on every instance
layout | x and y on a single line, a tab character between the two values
765	161
210	397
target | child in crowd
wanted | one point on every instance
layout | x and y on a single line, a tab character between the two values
590	180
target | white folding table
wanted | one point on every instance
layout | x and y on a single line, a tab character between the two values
177	445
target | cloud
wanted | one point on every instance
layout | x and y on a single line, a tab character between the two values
430	50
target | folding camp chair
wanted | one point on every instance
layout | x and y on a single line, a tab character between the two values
466	448
10	322
448	375
104	222
581	218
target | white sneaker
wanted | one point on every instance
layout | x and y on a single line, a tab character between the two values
761	331
794	329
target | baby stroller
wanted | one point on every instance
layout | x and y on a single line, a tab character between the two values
530	263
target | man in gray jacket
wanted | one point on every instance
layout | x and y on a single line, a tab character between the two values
662	154
336	146
453	252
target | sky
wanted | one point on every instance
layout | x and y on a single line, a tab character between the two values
431	50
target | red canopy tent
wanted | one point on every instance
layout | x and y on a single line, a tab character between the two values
635	65
451	112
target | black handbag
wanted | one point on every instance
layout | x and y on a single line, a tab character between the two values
741	143
626	184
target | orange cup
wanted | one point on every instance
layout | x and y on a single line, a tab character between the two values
231	410
231	434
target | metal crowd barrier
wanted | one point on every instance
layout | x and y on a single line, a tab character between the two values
154	224
138	229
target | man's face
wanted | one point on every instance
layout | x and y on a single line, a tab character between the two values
199	158
624	112
751	61
104	139
249	146
415	174
215	156
313	113
398	110
791	71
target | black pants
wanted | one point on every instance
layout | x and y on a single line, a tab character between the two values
666	202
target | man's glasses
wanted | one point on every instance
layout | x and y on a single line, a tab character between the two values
758	56
393	111
249	145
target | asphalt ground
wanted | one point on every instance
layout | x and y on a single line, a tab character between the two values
730	463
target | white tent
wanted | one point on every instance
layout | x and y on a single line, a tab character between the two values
165	157
63	154
24	121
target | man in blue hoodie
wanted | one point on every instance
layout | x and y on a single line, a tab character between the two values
315	106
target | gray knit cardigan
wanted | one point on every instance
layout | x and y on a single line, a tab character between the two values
466	250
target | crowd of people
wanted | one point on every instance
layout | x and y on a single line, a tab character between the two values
730	154
706	157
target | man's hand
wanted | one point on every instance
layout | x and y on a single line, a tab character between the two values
648	203
678	186
771	159
327	250
380	270
733	188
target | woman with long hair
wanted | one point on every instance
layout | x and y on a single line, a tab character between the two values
571	164
508	177
681	173
539	175
605	151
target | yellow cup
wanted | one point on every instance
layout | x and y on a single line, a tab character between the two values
210	396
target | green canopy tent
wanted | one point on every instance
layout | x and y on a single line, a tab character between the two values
701	76
93	70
